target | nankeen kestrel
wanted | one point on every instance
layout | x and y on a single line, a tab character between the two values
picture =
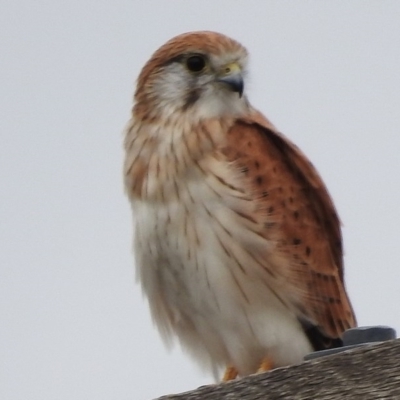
237	242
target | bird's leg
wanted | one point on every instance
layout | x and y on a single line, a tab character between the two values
266	365
230	374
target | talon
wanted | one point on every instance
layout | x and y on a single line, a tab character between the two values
266	365
230	374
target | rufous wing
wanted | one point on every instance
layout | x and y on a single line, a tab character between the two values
299	218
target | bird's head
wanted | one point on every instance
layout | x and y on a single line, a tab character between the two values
201	73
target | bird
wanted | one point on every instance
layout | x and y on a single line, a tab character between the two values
237	242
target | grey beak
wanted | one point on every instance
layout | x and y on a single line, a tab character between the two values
234	82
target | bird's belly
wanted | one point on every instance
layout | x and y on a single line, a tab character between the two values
205	288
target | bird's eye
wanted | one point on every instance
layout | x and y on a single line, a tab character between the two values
195	63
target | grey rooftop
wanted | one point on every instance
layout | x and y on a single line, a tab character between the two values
367	368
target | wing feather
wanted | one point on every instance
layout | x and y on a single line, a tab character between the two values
300	218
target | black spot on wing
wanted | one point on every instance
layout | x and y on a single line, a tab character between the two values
317	339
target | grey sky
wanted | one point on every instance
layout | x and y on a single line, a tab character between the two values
73	324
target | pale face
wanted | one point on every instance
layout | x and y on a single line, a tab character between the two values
203	83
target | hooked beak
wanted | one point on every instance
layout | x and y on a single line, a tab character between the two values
231	75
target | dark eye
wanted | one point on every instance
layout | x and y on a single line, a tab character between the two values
195	63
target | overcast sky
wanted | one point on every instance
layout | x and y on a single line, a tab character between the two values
73	324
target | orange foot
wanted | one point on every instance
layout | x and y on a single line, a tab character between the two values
266	365
230	374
